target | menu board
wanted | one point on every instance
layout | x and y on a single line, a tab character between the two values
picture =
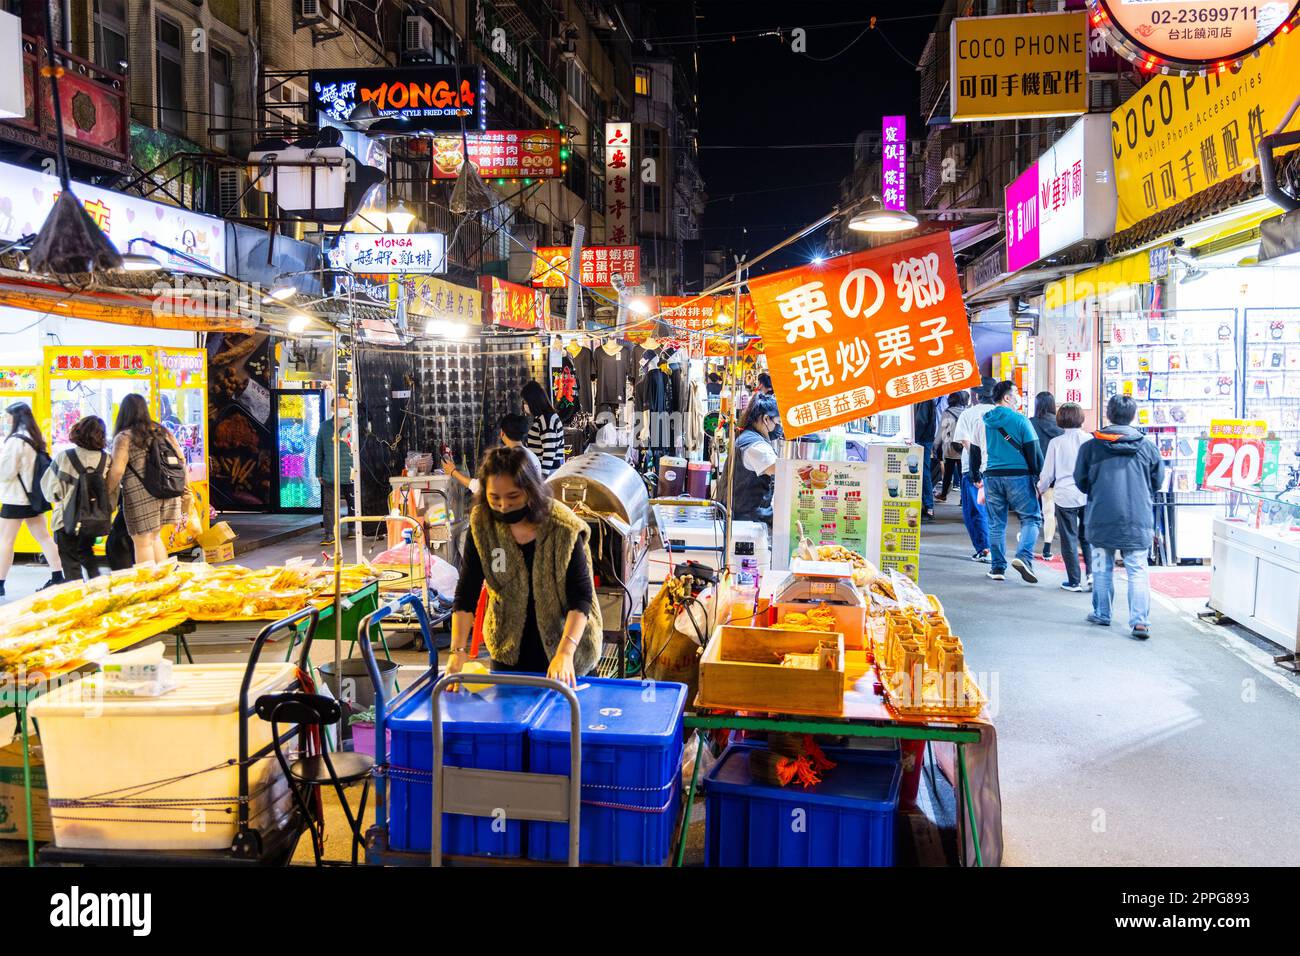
830	502
900	510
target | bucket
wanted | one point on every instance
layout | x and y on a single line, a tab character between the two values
358	689
672	476
697	479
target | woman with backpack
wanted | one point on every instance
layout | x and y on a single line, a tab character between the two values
949	449
145	459
21	500
76	484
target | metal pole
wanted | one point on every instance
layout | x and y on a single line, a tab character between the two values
735	419
338	552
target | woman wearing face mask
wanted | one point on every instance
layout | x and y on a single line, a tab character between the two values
752	463
531	552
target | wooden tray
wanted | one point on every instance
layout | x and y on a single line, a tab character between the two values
741	670
848	620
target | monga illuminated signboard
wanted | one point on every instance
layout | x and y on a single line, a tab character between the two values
416	99
1191	35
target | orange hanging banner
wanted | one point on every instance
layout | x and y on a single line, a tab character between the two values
864	333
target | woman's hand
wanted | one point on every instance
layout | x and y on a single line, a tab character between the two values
456	662
561	668
449	467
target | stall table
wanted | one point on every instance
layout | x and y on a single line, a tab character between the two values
358	604
866	714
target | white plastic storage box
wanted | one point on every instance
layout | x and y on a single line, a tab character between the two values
160	773
631	771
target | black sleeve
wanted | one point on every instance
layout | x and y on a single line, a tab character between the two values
976	460
470	582
578	589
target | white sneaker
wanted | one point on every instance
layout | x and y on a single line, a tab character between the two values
1087	584
1075	588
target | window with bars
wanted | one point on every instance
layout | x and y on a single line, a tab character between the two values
221	97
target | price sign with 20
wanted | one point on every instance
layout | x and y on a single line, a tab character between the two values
1236	455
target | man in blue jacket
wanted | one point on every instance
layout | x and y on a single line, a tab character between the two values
1120	472
1010	468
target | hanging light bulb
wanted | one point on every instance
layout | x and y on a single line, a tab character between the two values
401	219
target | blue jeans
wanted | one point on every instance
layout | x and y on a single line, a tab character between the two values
1003	496
1139	585
973	516
927	476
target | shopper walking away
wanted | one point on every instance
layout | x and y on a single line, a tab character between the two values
947	448
76	484
546	431
1045	427
970	434
751	466
342	423
925	425
21	501
531	552
137	439
512	433
1120	471
1009	476
1058	475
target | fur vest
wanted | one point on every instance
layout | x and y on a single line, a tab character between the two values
505	572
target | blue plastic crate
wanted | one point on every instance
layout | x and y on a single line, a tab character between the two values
846	820
482	731
631	763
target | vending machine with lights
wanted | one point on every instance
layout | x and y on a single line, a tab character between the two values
299	414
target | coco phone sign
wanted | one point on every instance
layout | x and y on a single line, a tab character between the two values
1198	35
1066	196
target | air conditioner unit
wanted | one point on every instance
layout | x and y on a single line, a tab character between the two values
323	14
417	36
231	182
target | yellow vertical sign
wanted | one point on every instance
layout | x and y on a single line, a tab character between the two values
1019	65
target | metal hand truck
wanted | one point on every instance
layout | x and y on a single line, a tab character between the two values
546	797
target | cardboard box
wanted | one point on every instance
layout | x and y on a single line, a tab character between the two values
216	543
13	810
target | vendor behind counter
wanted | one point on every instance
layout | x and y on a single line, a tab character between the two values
531	553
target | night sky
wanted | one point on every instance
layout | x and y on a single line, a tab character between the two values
757	94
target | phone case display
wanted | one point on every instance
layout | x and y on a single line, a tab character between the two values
1272	389
299	416
1182	368
1255	577
83	381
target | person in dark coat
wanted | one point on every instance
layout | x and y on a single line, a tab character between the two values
1120	471
925	425
1045	427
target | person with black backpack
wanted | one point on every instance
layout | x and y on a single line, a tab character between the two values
23	459
148	467
76	484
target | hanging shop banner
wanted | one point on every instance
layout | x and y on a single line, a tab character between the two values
377	253
514	306
713	313
29	196
1197	34
598	265
1019	65
893	162
1237	455
618	183
1074	376
514	60
1064	197
500	154
864	333
413	99
1179	135
432	298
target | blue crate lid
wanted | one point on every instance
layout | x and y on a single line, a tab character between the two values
862	782
615	711
500	709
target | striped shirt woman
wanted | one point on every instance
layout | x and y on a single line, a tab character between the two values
546	433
